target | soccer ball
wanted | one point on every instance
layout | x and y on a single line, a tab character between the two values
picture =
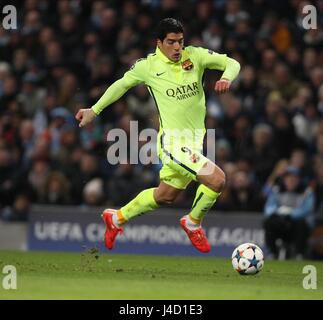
247	259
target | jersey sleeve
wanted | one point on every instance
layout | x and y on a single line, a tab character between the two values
209	59
131	78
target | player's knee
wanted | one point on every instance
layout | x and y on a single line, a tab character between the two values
218	182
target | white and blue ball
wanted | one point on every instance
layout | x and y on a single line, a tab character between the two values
247	259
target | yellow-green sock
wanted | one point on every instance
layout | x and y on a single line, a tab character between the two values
203	202
143	203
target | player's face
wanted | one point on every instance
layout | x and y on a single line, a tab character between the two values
172	46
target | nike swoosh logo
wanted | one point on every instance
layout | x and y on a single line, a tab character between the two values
159	74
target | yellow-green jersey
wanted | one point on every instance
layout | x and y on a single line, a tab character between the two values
175	86
178	93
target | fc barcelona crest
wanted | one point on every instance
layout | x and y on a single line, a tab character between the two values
194	158
187	65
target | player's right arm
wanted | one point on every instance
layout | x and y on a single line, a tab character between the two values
131	78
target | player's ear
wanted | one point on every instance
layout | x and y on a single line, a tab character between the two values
159	43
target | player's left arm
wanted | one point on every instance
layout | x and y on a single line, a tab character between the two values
230	67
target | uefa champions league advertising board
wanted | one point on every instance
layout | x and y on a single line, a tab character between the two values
158	233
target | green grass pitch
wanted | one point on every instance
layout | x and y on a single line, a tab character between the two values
91	275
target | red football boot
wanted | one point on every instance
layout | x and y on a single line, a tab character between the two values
197	237
111	230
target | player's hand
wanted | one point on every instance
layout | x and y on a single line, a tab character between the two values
85	116
222	86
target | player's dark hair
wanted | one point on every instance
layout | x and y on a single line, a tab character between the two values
168	25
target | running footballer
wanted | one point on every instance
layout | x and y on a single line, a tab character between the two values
173	76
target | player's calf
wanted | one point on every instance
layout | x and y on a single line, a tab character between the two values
166	194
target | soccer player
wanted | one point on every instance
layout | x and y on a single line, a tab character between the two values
173	76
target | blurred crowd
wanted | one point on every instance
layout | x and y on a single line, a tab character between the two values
65	54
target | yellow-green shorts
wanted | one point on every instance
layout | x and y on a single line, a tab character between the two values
181	163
